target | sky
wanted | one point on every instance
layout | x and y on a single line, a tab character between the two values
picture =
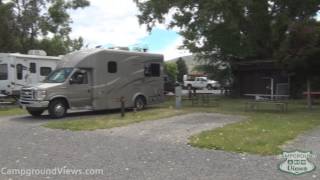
115	23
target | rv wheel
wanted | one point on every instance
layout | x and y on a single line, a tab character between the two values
209	87
139	103
35	112
57	108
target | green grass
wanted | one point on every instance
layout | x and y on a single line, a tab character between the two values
11	111
262	133
107	121
114	120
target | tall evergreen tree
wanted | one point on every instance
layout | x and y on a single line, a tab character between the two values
171	70
182	69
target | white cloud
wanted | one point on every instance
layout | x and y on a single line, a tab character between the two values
108	22
115	22
172	51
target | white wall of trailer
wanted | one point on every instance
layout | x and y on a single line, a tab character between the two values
18	70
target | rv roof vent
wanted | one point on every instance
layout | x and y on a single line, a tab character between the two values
37	52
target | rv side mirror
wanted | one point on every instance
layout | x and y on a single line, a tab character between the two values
147	70
71	81
77	79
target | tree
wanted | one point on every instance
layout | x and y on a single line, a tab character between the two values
8	29
171	69
58	46
236	30
229	29
182	69
37	20
300	51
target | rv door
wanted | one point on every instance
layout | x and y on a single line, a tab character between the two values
21	74
80	85
33	77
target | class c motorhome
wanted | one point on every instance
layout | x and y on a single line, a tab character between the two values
97	79
18	70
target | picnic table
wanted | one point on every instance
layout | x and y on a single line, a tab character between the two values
313	94
266	99
6	101
204	99
267	96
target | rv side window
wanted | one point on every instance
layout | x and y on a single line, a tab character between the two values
33	68
112	67
45	71
152	70
19	69
3	71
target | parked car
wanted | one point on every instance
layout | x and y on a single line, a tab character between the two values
201	83
96	80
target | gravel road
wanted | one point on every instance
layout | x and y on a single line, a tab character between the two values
148	150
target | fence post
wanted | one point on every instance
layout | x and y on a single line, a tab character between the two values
122	101
189	94
178	93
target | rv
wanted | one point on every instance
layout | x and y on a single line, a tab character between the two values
18	70
97	79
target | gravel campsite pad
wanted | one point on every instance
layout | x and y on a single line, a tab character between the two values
173	130
147	150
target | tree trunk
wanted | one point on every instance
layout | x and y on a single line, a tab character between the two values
309	100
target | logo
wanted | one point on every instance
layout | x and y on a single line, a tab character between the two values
297	162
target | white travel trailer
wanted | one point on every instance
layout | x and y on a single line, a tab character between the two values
97	79
18	70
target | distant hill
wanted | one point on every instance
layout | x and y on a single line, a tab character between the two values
191	61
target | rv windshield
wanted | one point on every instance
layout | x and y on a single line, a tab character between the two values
58	75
